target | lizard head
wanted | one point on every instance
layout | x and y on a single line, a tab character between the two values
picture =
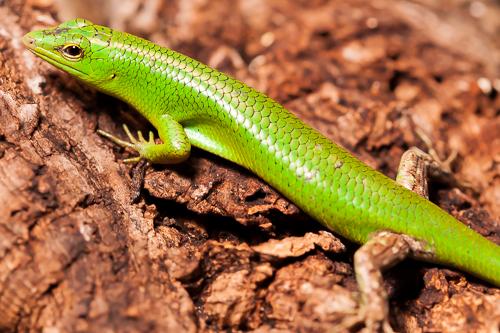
78	47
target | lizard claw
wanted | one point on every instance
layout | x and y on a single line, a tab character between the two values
446	164
132	160
118	141
140	138
135	143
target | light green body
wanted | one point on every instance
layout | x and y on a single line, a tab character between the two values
192	104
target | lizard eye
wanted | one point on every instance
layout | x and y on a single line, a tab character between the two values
72	52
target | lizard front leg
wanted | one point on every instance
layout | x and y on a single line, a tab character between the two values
175	146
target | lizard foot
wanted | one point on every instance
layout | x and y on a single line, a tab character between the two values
417	166
444	165
137	144
436	167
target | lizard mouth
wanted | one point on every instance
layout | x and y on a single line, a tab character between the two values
49	56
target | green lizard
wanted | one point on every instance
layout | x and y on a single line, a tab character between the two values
190	103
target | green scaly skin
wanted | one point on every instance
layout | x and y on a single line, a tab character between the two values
192	104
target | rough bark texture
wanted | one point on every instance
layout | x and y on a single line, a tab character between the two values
88	243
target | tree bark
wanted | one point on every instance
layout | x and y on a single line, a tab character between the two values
88	243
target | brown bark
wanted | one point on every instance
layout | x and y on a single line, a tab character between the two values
86	244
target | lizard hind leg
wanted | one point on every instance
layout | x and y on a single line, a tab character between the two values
385	248
412	171
417	166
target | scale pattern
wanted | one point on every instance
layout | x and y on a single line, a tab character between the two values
236	122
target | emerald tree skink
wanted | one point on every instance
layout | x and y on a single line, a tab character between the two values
190	103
